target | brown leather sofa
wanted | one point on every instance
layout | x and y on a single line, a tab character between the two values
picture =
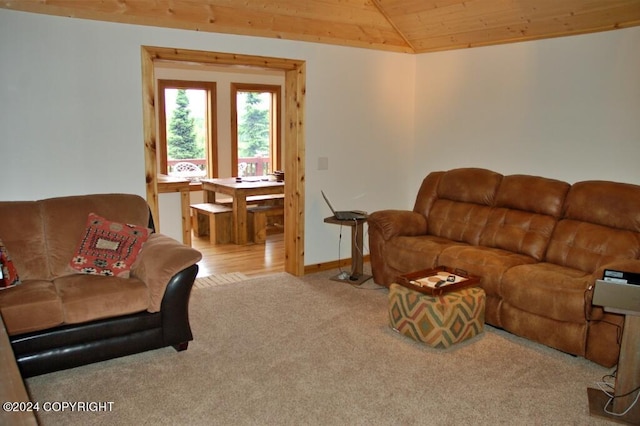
58	318
538	245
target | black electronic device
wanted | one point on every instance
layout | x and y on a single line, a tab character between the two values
344	215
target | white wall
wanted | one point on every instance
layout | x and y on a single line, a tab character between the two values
569	108
566	108
71	114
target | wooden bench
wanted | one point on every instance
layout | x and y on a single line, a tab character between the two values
257	220
215	220
260	200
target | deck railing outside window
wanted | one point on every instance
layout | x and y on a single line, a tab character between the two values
247	166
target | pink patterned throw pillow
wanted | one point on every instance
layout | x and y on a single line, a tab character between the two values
108	248
8	273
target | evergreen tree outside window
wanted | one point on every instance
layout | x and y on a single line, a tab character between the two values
256	147
253	123
187	145
181	140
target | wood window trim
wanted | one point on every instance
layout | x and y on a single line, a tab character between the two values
212	130
276	127
293	135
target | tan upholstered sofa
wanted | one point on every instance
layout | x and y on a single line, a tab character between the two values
538	244
58	317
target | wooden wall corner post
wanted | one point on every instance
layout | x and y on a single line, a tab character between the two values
149	134
294	154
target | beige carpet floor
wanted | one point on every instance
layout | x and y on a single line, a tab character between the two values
280	350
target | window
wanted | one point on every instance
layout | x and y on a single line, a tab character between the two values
187	130
255	129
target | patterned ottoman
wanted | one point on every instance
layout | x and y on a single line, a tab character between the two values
438	321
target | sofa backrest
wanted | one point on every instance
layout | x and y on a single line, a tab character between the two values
461	204
600	224
42	236
427	193
525	214
21	231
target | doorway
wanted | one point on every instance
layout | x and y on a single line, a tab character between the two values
293	135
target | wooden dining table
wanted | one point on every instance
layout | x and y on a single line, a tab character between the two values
239	191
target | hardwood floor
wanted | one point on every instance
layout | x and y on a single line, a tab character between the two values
251	260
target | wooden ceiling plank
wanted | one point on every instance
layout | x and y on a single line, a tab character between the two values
345	11
397	8
578	24
452	18
554	20
393	25
352	11
585	21
205	17
589	21
315	29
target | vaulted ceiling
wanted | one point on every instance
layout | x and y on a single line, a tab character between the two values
412	26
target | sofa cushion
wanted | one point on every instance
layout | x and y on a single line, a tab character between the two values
8	272
547	290
489	264
457	221
469	185
587	246
65	218
611	204
34	305
22	230
463	204
600	224
108	248
485	262
92	297
518	231
525	214
532	194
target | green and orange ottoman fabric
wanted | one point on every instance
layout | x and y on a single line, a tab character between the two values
438	321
